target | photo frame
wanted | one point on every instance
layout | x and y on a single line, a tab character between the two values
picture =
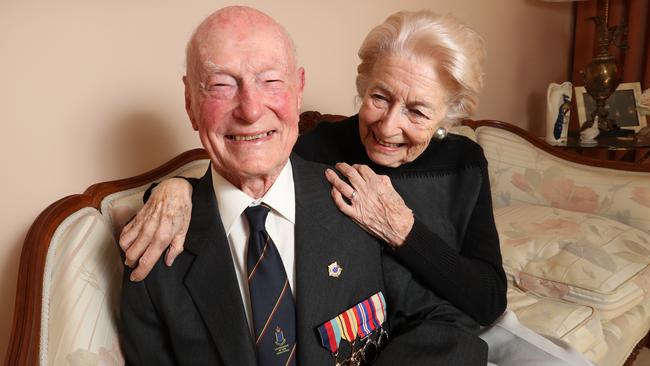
622	106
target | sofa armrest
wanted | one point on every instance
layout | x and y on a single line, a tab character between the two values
47	262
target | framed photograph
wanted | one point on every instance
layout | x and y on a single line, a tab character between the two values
621	106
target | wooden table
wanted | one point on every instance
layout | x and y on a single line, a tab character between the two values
626	149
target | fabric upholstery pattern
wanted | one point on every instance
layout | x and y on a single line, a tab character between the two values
82	281
624	332
81	294
521	174
581	258
578	325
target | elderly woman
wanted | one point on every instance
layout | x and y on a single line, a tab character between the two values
422	191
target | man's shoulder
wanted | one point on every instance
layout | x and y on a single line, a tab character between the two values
310	170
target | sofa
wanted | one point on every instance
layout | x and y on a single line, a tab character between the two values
575	239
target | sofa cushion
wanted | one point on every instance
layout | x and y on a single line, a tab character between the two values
624	332
578	257
578	325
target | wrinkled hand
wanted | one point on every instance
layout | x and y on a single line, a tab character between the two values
163	221
375	206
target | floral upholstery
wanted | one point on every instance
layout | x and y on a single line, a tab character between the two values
570	271
577	257
622	333
577	325
521	174
575	242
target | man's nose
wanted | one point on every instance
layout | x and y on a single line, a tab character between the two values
250	104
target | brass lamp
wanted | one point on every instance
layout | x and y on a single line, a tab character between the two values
601	75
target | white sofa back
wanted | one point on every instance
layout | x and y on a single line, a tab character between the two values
82	281
521	174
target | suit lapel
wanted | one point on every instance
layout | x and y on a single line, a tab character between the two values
212	282
317	222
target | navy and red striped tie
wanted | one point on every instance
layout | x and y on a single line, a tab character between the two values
274	316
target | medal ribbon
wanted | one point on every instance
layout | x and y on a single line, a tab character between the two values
379	305
361	319
330	335
350	326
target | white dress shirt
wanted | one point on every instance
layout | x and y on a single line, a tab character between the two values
279	224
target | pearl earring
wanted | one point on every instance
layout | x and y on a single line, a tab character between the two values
441	133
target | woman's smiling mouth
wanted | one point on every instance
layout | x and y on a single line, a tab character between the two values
387	144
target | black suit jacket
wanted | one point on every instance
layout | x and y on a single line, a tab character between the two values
192	313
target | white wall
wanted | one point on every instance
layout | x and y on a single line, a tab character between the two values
91	90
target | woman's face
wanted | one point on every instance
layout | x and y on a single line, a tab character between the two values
403	106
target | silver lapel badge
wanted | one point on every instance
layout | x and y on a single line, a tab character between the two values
334	270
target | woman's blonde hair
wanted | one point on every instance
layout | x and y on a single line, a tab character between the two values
458	51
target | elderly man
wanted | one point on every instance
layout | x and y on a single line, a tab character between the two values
269	275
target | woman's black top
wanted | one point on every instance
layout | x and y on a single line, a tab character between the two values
453	246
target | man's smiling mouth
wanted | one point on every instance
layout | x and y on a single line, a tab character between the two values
250	137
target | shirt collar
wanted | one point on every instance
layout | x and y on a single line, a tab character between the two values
232	201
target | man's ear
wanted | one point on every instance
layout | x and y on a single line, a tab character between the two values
301	78
301	85
188	103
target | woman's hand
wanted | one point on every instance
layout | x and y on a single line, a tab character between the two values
161	223
372	202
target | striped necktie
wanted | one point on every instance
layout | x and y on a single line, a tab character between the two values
274	316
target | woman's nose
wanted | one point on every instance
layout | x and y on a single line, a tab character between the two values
391	122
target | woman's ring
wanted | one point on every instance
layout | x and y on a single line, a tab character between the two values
354	193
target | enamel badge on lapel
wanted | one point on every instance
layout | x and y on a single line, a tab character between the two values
334	270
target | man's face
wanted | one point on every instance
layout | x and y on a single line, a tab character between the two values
244	99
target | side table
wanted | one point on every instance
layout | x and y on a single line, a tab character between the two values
626	149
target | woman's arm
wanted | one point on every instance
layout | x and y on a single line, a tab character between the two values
161	224
473	280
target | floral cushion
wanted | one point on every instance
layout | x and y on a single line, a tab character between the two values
581	258
577	325
522	174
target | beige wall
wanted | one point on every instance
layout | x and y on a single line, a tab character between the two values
91	90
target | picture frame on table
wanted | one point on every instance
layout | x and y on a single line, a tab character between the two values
621	105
